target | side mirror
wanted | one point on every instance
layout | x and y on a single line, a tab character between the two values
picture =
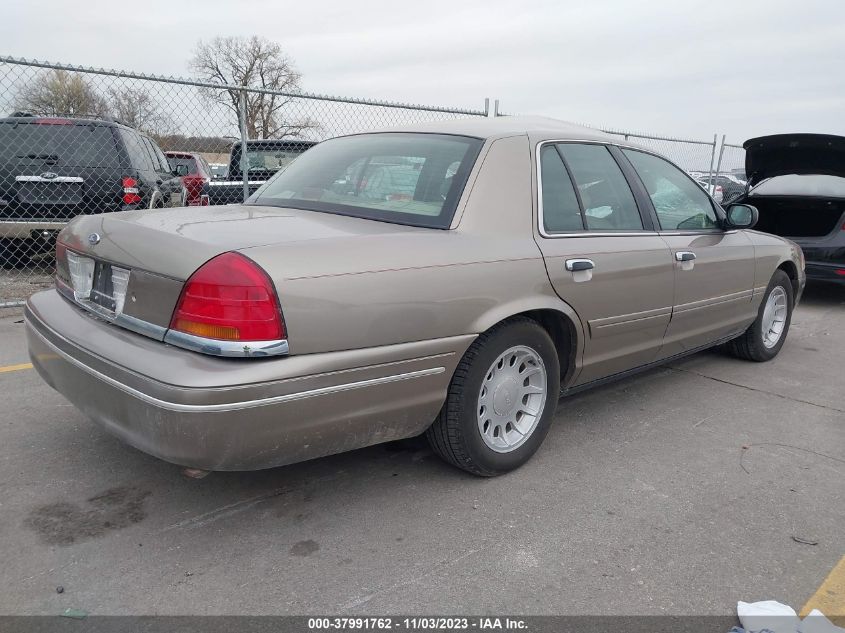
741	216
181	170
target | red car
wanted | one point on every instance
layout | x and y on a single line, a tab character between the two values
195	172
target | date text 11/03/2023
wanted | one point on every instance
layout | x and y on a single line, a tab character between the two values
416	623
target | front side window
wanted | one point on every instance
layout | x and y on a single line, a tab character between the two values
680	203
606	198
413	179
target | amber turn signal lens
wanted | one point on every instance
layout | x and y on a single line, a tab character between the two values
206	330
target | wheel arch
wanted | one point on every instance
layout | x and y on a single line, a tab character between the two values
791	270
155	198
558	319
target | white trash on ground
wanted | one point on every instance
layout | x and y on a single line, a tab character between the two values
770	615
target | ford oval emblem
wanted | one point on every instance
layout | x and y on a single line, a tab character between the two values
94	239
49	175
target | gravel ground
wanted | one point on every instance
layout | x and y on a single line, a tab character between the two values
16	284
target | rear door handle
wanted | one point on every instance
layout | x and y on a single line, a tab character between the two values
574	265
685	256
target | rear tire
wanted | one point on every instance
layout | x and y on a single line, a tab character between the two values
764	338
501	400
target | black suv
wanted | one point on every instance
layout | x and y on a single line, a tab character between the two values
54	168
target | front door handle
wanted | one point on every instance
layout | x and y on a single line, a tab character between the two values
685	256
574	265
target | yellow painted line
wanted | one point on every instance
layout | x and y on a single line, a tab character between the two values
830	596
7	368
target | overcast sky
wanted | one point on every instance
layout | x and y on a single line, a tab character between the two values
741	67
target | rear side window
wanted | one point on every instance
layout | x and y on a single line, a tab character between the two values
680	203
561	212
139	157
404	178
66	144
163	165
606	198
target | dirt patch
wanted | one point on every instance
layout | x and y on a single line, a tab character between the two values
304	548
65	523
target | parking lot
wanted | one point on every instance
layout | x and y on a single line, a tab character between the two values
679	491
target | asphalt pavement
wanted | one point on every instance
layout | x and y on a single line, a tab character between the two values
679	491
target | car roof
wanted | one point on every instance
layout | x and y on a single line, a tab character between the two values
541	128
35	118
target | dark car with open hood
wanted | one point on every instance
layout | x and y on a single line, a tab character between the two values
797	183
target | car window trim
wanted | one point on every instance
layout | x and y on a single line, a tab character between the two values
584	232
717	209
574	187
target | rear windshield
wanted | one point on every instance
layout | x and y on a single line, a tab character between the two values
190	163
56	144
270	159
413	179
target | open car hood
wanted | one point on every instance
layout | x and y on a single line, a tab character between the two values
780	154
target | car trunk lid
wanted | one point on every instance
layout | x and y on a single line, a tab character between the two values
781	154
175	242
163	248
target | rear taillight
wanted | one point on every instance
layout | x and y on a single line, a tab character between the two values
840	272
130	191
193	188
229	298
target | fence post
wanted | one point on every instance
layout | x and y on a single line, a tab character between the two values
721	153
710	183
244	158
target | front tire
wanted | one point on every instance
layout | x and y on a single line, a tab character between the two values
764	338
501	400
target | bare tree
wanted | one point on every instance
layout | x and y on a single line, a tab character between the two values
59	92
138	109
253	62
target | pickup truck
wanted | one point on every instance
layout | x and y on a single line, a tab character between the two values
264	157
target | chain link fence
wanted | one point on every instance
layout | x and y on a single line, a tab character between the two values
691	155
150	141
137	130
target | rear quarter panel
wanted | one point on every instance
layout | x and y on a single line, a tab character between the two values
422	284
